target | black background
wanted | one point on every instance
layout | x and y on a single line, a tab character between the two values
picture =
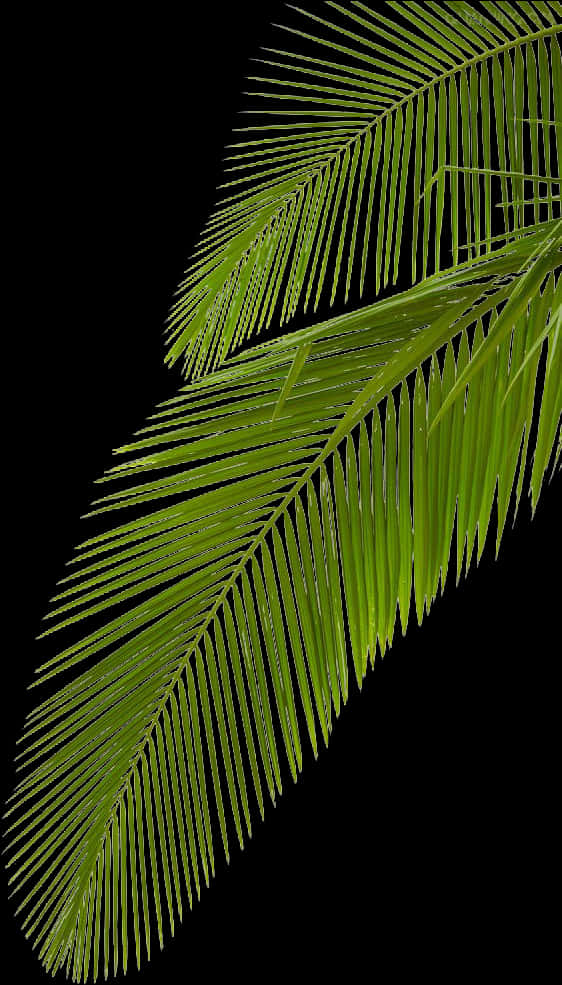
425	835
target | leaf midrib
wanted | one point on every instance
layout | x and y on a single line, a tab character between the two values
367	395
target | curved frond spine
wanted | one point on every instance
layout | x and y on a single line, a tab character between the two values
426	84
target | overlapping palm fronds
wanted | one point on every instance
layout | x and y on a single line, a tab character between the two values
375	103
277	514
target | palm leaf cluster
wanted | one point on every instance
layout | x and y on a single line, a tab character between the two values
279	512
387	99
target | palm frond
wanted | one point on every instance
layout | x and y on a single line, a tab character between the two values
280	507
386	100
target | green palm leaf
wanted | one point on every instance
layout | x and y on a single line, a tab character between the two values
277	514
281	507
377	102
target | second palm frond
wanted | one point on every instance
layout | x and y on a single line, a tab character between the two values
263	535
